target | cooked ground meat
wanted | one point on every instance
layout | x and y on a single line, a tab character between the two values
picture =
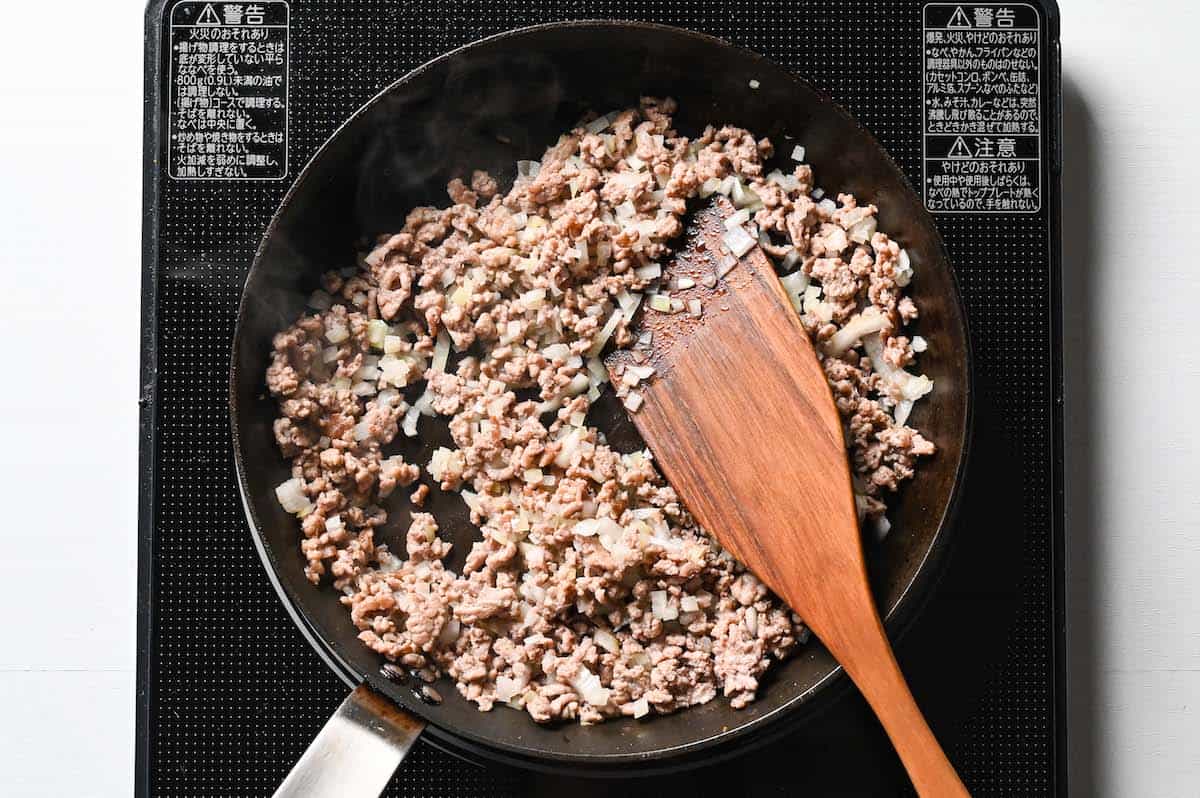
591	593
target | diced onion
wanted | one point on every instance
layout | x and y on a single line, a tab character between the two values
798	153
739	241
795	284
689	604
291	496
870	320
904	271
587	684
441	352
694	308
738	219
376	331
605	333
861	231
629	304
334	524
919	344
410	421
528	168
607	641
641	707
754	84
709	187
661	607
633	401
650	271
661	303
336	333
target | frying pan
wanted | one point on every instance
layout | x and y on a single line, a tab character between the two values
485	106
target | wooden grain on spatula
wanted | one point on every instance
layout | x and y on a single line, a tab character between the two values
740	418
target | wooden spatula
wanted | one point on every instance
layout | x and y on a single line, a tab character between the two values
741	420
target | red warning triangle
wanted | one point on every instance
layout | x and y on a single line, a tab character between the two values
959	19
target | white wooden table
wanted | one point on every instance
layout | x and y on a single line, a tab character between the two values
70	195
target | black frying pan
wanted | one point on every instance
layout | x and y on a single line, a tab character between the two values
459	112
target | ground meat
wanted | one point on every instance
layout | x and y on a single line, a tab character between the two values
591	592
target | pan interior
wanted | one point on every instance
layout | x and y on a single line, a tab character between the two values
507	98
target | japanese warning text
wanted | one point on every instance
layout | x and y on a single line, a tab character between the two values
982	117
228	91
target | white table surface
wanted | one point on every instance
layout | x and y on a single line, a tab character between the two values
70	197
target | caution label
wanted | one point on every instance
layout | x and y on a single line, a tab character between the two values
982	109
228	106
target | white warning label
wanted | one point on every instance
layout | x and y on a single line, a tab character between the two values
982	117
228	111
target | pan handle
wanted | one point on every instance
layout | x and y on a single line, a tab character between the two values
357	750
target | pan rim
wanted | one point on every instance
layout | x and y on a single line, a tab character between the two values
737	739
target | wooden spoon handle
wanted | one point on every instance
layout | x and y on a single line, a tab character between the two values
863	650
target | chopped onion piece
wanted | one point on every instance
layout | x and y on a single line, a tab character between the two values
629	304
650	271
919	344
329	354
694	308
392	344
795	284
726	265
363	389
633	401
661	607
642	372
739	241
636	163
709	187
607	641
676	304
362	430
817	193
336	333
903	410
738	219
410	421
587	684
507	688
661	303
641	707
916	386
870	320
291	496
861	231
605	333
528	168
904	271
754	84
597	371
579	383
685	283
376	331
534	298
798	153
689	604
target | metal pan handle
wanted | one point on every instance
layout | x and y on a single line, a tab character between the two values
357	750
